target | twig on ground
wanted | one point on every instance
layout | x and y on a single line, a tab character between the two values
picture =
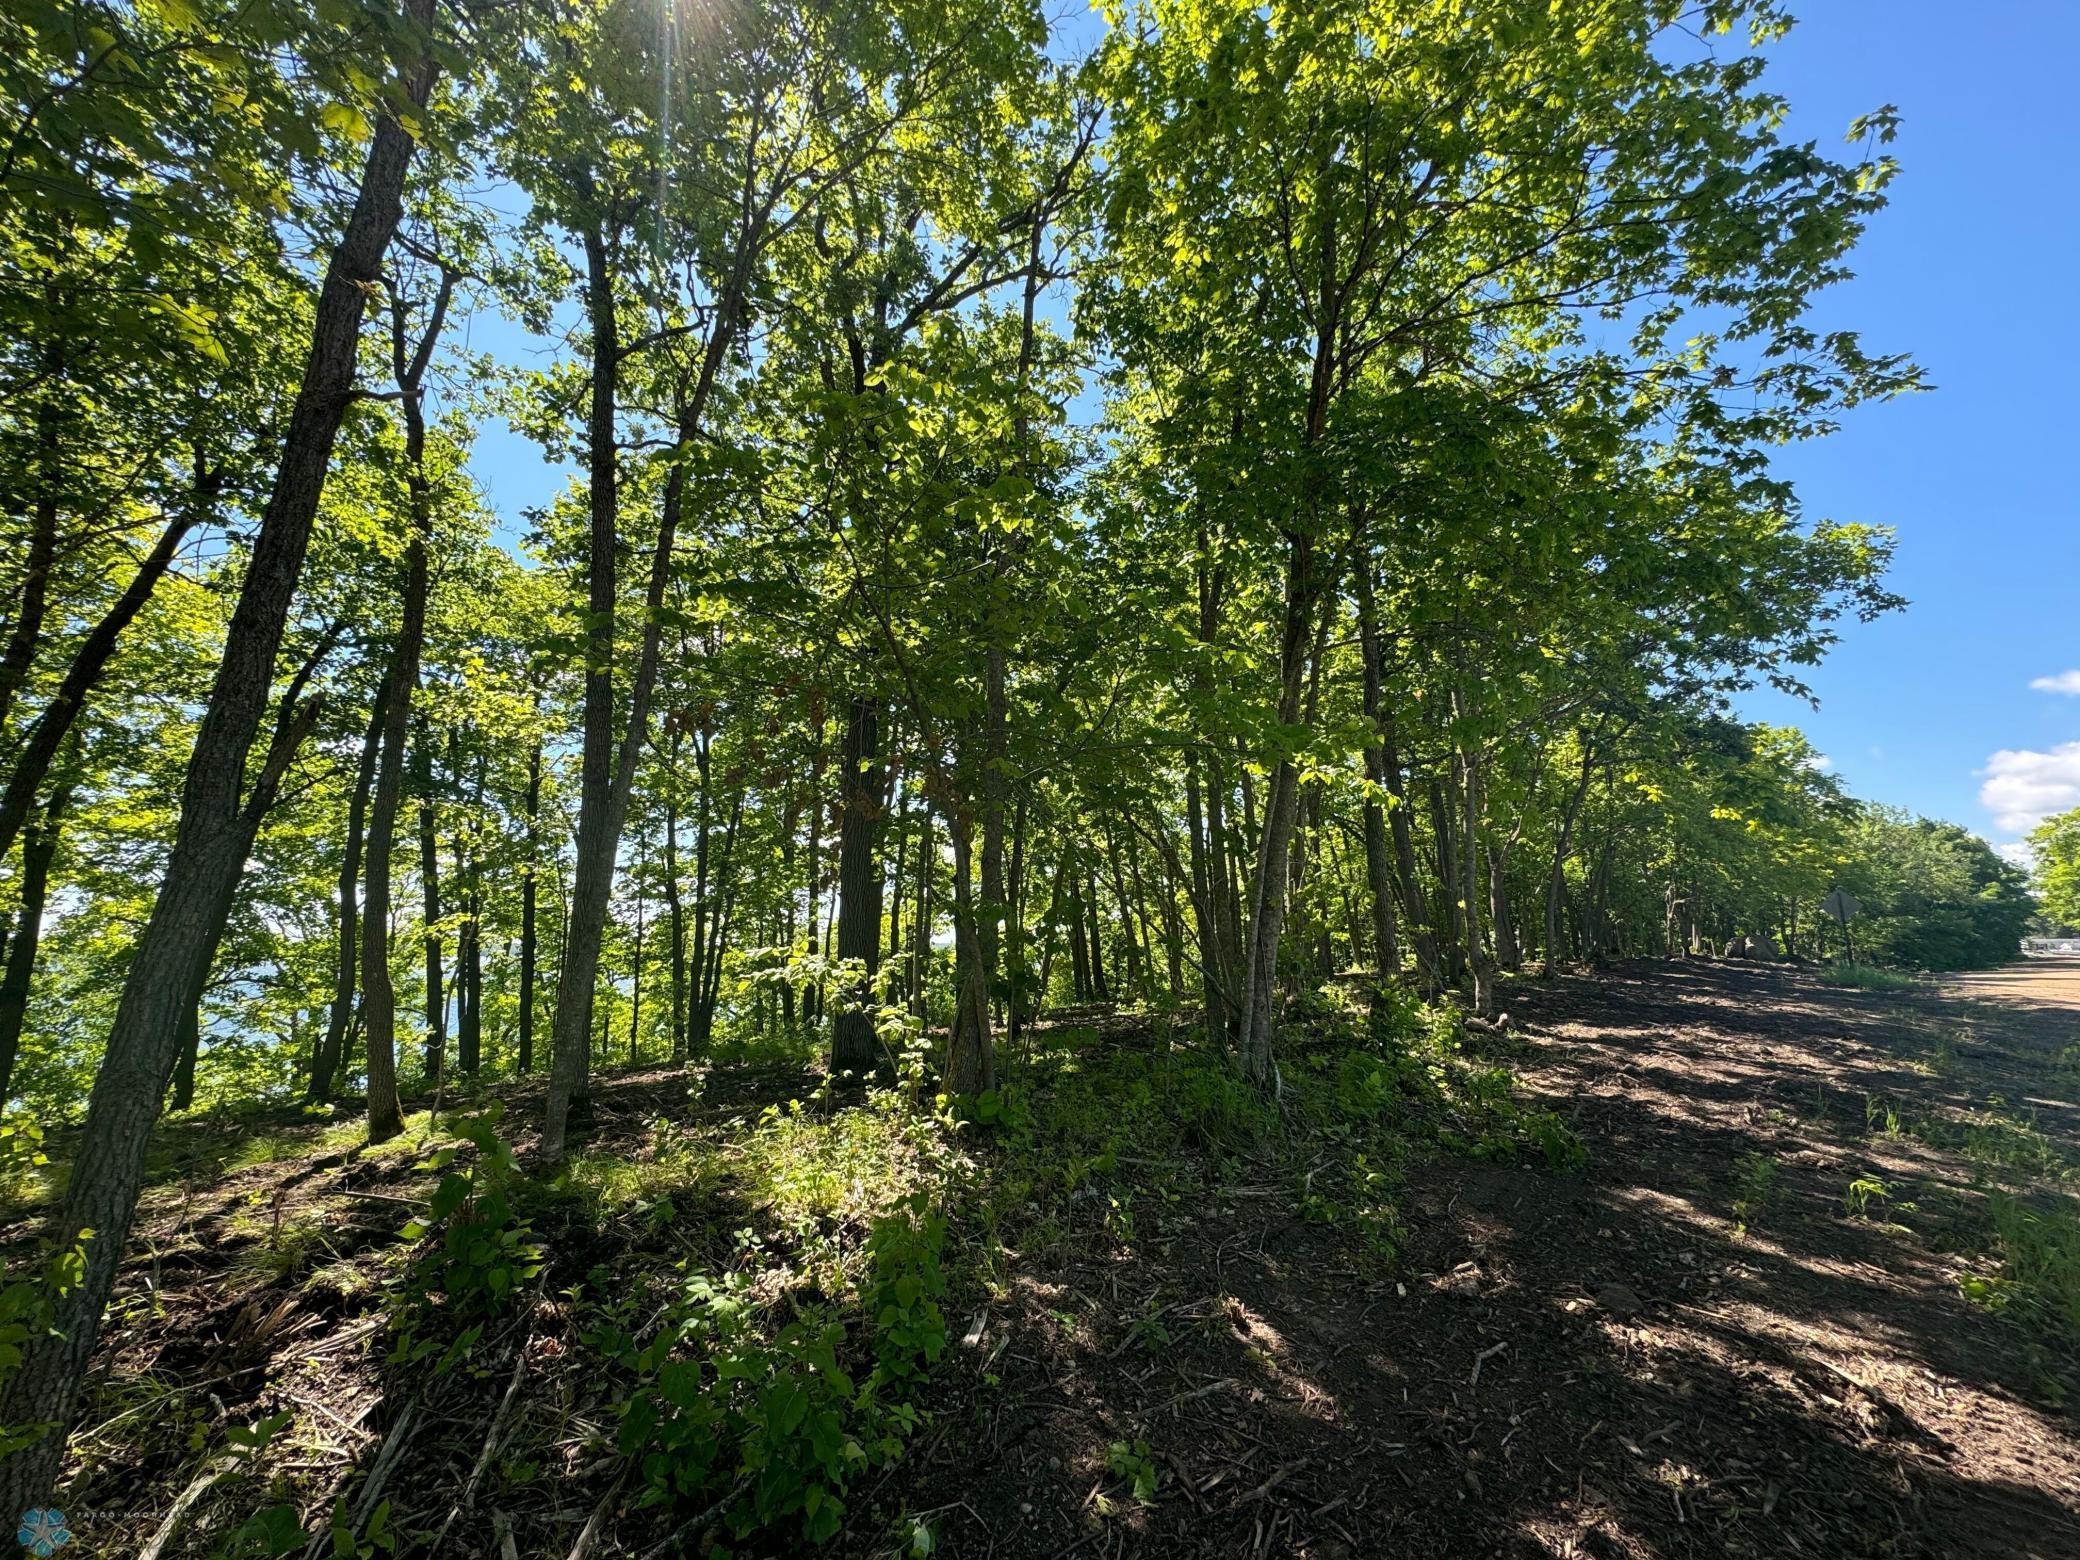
179	1508
589	1534
670	1543
1224	1385
468	1499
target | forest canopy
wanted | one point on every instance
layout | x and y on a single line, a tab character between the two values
1260	498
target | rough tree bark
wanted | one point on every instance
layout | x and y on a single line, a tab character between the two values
854	1045
207	859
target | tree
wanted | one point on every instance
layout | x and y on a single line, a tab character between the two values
2055	844
209	849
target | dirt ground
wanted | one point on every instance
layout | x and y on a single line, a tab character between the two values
2047	983
1739	1330
1595	1365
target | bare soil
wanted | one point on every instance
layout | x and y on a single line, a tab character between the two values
1596	1365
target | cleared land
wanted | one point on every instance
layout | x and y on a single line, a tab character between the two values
1742	1329
1777	1312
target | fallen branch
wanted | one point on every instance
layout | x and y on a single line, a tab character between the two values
671	1545
379	1471
468	1498
186	1499
589	1534
1277	1477
1197	1392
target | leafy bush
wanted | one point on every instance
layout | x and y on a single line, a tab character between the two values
903	1296
776	1425
486	1252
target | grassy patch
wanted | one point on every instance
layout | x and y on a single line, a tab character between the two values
1756	1190
2034	1280
1866	977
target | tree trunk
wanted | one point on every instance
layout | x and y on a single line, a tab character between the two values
971	1057
469	952
32	590
708	993
607	778
47	732
598	838
1500	916
1480	964
1268	882
331	1051
1556	885
191	1050
528	952
1137	974
995	787
1079	947
921	948
1385	777
378	989
37	853
1101	988
635	956
675	912
430	904
854	1045
1206	915
207	858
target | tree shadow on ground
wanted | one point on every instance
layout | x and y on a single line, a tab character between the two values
1598	1366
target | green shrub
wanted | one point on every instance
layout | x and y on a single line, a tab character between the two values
486	1253
903	1294
776	1425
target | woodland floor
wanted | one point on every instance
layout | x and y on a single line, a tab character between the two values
1594	1365
1603	1363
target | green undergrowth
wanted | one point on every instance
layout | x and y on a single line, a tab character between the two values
2012	1215
1866	977
753	1307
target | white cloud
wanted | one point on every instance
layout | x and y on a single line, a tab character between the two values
2065	682
2016	853
2022	787
1820	763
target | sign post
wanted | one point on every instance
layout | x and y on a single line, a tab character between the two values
1841	904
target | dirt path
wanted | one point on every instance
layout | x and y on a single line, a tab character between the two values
2047	983
1602	1365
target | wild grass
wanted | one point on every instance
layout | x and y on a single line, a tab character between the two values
1867	977
2034	1280
1757	1189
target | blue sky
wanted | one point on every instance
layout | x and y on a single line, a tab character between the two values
1930	709
1978	476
